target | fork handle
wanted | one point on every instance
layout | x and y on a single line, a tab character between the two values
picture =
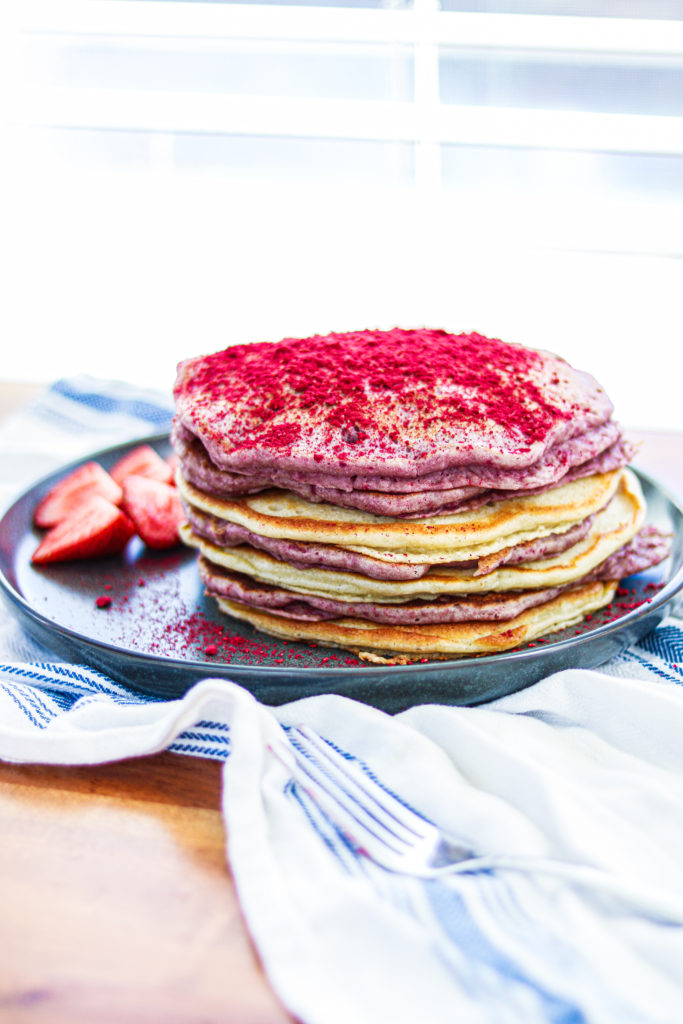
450	856
659	907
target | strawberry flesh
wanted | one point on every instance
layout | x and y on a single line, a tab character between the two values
94	529
155	509
142	461
75	490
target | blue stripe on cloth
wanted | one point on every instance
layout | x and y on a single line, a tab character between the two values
333	839
36	716
81	688
352	759
662	673
220	726
136	407
216	753
667	643
74	680
64	701
507	900
206	737
459	926
32	697
56	418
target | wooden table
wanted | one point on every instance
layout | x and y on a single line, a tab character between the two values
116	904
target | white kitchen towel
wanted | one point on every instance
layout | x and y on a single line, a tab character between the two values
586	767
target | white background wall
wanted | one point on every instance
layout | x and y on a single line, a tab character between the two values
119	260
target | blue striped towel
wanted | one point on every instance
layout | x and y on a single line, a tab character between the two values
583	766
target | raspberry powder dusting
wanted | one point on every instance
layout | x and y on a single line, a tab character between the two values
383	397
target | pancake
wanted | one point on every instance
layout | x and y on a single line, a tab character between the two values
401	422
613	527
647	548
329	556
441	641
456	537
566	462
221	583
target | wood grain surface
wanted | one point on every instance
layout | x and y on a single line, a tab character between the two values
116	904
115	900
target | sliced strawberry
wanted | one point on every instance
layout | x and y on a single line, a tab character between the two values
73	491
142	461
92	530
155	509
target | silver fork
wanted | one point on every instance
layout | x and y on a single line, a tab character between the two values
380	826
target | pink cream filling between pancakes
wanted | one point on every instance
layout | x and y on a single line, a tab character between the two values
326	556
600	452
647	548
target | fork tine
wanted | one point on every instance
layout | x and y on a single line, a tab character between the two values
382	806
356	804
366	833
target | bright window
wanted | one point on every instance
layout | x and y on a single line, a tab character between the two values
193	174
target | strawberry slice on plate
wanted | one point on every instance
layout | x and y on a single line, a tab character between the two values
94	529
73	491
142	461
155	509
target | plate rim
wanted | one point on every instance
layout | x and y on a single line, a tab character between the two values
369	671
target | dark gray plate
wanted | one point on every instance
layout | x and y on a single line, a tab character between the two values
155	634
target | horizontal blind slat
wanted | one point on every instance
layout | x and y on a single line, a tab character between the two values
348	119
261	21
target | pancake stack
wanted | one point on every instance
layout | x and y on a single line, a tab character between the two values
405	494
